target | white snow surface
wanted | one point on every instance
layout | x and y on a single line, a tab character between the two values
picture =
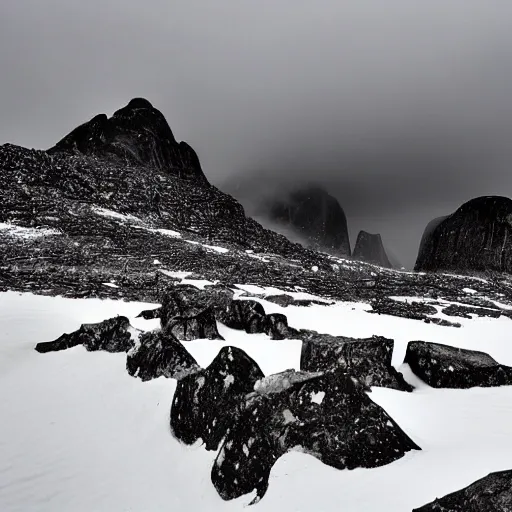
22	232
77	433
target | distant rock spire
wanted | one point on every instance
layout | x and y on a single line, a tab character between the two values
369	248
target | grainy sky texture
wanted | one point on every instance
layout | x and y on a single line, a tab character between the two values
400	108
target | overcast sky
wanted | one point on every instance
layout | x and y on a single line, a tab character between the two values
400	108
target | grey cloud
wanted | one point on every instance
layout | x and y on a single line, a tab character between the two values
400	108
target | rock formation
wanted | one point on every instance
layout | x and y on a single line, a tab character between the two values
442	366
477	237
369	248
490	494
367	359
329	416
317	217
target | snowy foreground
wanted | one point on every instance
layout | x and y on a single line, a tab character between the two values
77	433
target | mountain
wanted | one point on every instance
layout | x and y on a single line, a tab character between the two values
317	218
159	347
477	237
369	248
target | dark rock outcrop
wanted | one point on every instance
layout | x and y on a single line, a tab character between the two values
467	311
246	315
137	134
206	404
317	217
412	309
427	233
477	237
193	327
111	335
150	314
490	494
369	248
367	359
442	366
286	300
159	354
329	416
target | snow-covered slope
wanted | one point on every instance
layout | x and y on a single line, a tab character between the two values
78	433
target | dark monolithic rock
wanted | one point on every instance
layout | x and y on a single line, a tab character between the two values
369	248
490	494
367	359
159	354
317	217
246	315
467	311
427	233
200	326
477	237
329	416
137	133
442	366
113	335
206	404
150	314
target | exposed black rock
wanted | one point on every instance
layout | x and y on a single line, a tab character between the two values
367	359
442	366
286	300
467	311
477	237
442	322
159	354
276	326
188	301
369	248
329	416
410	309
317	217
427	233
111	335
150	314
200	326
490	494
206	404
246	315
136	134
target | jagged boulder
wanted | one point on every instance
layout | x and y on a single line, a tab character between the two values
369	248
246	315
150	314
112	335
442	366
367	359
200	326
477	237
490	494
317	217
137	133
329	416
159	354
206	404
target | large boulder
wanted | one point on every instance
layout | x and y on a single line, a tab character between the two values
137	133
159	354
317	218
442	366
207	403
369	248
490	494
367	359
477	237
200	326
112	335
329	416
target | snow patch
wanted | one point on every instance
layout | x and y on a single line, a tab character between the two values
318	398
27	233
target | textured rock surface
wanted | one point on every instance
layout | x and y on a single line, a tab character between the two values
113	335
367	359
477	237
194	327
160	354
442	366
206	404
329	416
369	248
409	309
490	494
318	219
427	234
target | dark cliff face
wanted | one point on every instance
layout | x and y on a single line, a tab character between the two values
431	226
369	248
477	237
317	217
137	134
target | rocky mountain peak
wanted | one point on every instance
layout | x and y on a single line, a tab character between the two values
138	134
369	248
